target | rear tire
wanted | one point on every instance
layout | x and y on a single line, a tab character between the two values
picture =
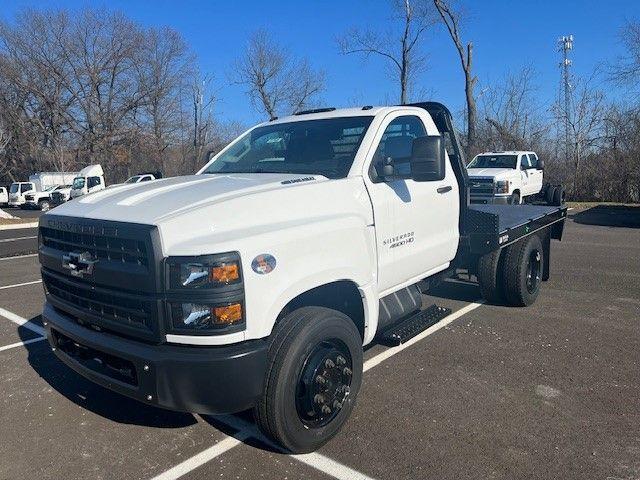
550	194
490	276
308	343
523	264
558	196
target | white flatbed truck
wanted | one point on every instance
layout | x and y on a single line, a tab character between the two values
257	282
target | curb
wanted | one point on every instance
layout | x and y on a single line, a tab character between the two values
18	226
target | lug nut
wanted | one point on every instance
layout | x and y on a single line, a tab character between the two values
146	368
347	371
340	360
149	397
326	410
337	405
319	399
329	363
320	380
346	390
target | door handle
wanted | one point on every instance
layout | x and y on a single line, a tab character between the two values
446	189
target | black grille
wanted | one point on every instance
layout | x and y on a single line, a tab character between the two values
117	308
100	245
481	186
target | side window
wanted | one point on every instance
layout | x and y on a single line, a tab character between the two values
397	142
146	178
524	162
93	181
25	187
533	159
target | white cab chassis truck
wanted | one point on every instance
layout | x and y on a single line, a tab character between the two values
257	282
512	178
89	180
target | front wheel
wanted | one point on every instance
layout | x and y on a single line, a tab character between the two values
514	199
312	380
45	206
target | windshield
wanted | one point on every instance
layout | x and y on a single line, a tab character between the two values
494	161
49	189
78	183
324	147
14	188
133	179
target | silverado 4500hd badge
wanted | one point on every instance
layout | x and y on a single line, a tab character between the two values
263	264
398	240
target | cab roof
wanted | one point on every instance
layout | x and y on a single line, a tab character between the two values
322	113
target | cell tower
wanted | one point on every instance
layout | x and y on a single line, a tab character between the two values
565	45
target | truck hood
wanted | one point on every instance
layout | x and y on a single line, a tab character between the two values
207	213
497	173
155	202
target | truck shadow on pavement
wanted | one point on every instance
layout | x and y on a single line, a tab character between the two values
609	216
93	397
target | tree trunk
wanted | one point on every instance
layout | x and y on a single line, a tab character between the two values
472	112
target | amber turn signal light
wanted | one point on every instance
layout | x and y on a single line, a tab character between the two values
228	314
225	273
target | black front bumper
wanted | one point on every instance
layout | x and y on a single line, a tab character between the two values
198	379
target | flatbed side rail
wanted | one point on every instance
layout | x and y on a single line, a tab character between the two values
485	233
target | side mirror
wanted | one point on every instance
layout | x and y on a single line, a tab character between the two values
540	164
427	159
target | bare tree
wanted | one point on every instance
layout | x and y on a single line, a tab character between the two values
451	19
626	69
276	81
512	114
414	17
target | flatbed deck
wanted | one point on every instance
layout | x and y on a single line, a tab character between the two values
488	227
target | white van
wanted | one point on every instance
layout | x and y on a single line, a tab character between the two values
89	180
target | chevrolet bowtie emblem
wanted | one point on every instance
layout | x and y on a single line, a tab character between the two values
79	264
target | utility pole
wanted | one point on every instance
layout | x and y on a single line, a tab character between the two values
565	45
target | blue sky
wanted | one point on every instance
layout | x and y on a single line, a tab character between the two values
507	36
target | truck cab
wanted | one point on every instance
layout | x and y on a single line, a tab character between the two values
509	177
18	192
89	180
256	282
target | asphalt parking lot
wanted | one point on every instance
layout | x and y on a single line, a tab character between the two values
550	391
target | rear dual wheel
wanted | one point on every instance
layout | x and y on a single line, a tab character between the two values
312	380
512	275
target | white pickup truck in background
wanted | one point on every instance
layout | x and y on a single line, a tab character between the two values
43	200
510	177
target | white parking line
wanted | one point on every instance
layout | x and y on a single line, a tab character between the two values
15	257
381	357
314	459
21	344
5	240
203	457
3	287
23	322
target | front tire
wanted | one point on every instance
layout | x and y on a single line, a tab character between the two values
312	380
45	206
514	199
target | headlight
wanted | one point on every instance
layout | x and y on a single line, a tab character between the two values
502	186
196	316
209	271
